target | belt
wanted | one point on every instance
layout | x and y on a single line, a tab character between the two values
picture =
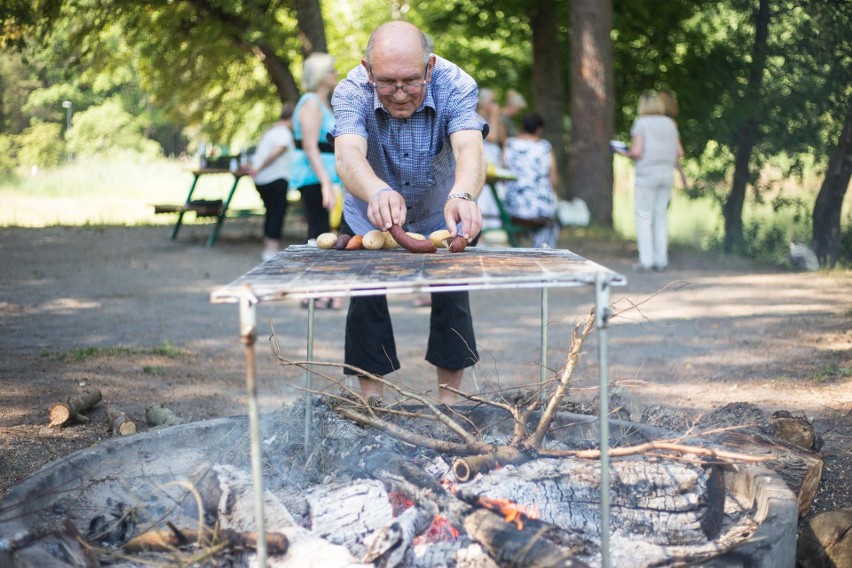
324	147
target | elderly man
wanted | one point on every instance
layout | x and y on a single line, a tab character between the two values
408	147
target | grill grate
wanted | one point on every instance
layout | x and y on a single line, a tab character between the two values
304	271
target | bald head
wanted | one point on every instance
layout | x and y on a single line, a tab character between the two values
398	40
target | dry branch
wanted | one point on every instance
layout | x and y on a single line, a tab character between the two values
720	455
119	423
74	407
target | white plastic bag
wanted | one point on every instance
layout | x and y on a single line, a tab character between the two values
574	212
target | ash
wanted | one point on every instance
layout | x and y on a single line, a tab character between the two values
331	497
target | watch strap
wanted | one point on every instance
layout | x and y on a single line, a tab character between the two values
465	196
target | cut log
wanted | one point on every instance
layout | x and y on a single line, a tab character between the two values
119	423
159	415
168	540
513	548
667	503
74	408
466	468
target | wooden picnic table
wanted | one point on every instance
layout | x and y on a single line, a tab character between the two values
204	208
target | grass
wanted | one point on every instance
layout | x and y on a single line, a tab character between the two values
111	192
122	191
81	354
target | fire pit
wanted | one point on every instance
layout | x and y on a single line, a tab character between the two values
359	498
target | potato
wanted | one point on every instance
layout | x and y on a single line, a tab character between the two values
326	240
390	243
374	240
440	238
417	236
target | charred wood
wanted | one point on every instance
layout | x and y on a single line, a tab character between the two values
174	538
801	469
346	514
514	548
387	546
466	468
74	408
668	503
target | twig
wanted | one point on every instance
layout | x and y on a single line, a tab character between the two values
535	440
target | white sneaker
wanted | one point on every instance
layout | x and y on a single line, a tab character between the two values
266	255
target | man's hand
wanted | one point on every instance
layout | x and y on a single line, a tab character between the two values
464	212
385	208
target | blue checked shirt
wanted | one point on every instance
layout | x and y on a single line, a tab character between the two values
413	156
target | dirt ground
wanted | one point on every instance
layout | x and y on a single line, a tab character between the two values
127	310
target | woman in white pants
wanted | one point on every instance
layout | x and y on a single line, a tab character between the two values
655	148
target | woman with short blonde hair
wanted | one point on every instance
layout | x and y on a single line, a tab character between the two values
655	148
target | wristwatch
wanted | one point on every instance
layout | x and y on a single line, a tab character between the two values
465	196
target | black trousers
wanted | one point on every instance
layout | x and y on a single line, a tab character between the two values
274	196
315	214
370	342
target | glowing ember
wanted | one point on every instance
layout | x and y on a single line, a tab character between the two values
399	502
441	530
512	512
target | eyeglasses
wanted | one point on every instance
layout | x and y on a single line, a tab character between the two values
388	89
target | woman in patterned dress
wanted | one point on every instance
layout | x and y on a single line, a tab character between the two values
531	199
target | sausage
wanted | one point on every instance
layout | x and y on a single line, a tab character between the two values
342	241
355	243
458	245
409	243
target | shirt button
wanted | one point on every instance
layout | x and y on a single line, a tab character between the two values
407	184
405	155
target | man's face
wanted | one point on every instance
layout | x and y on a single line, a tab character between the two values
400	82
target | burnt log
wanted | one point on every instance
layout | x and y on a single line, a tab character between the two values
347	514
466	468
236	512
74	408
119	423
174	538
159	415
388	546
668	503
512	547
800	468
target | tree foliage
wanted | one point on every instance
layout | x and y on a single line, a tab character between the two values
218	70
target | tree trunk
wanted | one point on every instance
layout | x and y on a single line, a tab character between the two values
311	26
826	215
746	134
547	86
592	107
279	72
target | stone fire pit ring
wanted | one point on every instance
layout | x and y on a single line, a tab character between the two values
774	506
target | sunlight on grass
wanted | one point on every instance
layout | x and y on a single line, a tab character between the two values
691	222
112	192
